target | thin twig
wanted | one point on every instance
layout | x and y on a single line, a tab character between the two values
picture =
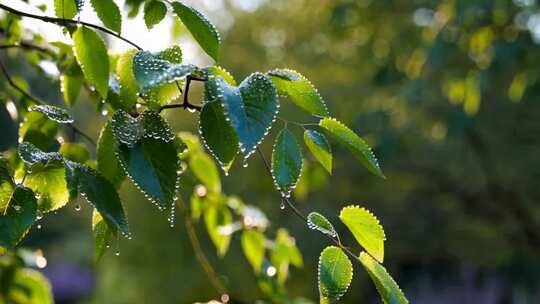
185	104
38	101
27	45
63	21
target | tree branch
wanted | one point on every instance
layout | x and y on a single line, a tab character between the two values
185	104
62	21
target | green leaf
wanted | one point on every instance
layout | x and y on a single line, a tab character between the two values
200	27
319	147
253	247
109	13
211	89
286	162
75	152
31	154
154	12
49	182
335	274
251	108
102	235
386	286
71	87
152	70
7	185
284	253
65	9
215	216
18	217
218	135
148	154
300	91
205	170
100	193
53	113
29	286
107	162
39	130
366	229
354	143
129	89
317	221
91	54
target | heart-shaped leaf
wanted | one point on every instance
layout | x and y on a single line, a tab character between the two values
319	147
366	229
300	91
317	221
200	27
354	143
286	162
109	13
18	217
335	274
386	286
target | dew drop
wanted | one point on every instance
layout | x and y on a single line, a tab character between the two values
117	253
77	207
192	110
39	226
282	206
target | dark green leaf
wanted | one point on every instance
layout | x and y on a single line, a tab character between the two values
18	217
107	162
300	91
319	147
200	27
286	162
366	229
211	89
102	235
335	274
218	134
317	221
109	13
386	286
152	71
154	12
91	54
31	155
354	143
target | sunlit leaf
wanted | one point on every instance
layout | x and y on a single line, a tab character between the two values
317	221
29	286
39	130
7	185
386	286
354	143
253	247
107	162
71	87
91	54
75	152
31	154
366	229
286	162
319	147
102	235
215	216
48	181
284	253
109	13
18	217
335	274
200	27
205	169
129	89
154	12
66	9
152	70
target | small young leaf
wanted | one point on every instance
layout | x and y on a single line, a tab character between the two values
218	215
53	113
152	71
128	86
102	235
109	13
335	274
100	193
366	229
31	155
154	12
286	162
7	185
107	163
200	27
18	217
300	91
49	181
318	222
218	134
354	143
75	152
319	147
71	87
65	9
31	288
91	55
205	170
386	286
39	130
284	253
253	247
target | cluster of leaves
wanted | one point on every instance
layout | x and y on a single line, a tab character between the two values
137	143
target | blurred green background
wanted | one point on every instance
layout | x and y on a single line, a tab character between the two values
447	94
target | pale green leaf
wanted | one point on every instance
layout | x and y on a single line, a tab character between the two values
76	152
129	89
286	162
366	229
91	54
102	235
253	247
49	182
29	286
335	274
317	221
7	185
151	70
154	12
285	252
300	91
71	87
17	219
107	162
200	27
109	13
319	147
65	9
386	286
354	143
205	170
216	216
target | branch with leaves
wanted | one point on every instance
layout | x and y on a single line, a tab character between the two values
138	144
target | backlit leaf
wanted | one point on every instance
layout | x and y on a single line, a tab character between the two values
39	130
154	12
109	13
107	162
318	222
366	229
151	70
319	147
205	170
29	286
75	152
7	185
65	9
49	182
102	235
129	89
335	274
386	286
215	216
253	247
286	162
18	217
91	54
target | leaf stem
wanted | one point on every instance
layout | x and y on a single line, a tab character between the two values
60	21
185	104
